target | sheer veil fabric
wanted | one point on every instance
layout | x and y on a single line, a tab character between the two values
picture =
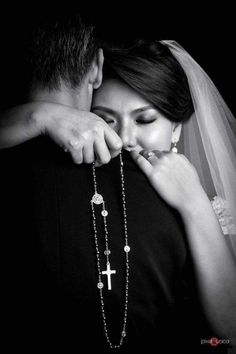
210	141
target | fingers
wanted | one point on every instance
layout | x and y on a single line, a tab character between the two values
155	156
152	156
102	152
147	159
142	162
159	153
85	137
94	147
76	151
112	139
107	146
88	153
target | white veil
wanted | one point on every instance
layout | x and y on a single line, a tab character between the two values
210	140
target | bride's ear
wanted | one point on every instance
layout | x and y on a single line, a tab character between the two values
95	73
176	132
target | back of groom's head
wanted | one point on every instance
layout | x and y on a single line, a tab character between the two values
62	49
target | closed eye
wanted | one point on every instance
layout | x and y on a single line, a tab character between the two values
145	121
108	120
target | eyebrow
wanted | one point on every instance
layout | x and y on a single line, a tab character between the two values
111	111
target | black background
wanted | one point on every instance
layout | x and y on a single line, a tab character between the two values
208	34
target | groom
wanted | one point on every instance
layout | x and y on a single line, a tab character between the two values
46	197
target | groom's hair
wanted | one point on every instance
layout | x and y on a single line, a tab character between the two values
61	50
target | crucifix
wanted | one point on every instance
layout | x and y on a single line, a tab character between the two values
108	273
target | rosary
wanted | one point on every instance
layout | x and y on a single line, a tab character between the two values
98	199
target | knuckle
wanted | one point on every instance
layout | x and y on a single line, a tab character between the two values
75	144
97	132
98	129
99	126
86	135
82	141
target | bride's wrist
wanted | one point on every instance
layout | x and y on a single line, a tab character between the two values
196	205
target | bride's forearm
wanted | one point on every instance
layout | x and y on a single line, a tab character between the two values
214	266
18	125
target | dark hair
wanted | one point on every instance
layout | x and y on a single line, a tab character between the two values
62	49
149	68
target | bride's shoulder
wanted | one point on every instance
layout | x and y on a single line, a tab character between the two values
224	216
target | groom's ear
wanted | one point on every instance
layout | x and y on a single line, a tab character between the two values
95	74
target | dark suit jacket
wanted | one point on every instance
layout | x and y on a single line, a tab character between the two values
51	298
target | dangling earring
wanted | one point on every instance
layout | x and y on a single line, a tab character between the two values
174	148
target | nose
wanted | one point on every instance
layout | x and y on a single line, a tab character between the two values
128	135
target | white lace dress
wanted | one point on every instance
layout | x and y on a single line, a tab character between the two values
223	214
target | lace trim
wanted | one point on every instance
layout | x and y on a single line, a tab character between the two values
223	214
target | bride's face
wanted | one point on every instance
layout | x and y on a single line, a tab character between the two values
139	125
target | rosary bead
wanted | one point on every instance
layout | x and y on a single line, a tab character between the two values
100	285
127	249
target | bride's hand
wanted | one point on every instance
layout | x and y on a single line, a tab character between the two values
173	177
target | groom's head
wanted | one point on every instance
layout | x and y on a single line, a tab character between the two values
65	61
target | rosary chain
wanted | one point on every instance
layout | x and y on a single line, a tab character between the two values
98	199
